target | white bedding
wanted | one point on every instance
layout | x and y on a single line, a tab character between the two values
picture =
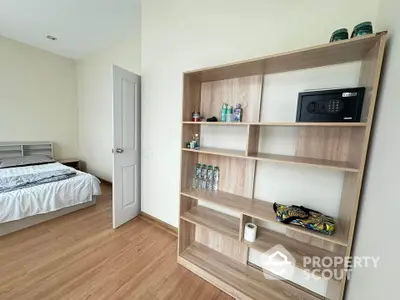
47	197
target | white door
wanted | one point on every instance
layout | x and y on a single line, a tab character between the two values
126	149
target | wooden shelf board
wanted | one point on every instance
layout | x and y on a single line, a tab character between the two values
259	209
213	220
239	280
217	123
266	239
281	124
219	151
354	49
322	163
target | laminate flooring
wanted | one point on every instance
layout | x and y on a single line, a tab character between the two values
80	256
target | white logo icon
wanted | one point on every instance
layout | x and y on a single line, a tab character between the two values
278	263
346	95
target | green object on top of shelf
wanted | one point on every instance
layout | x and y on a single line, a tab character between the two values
362	29
339	35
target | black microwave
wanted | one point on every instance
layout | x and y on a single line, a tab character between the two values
339	105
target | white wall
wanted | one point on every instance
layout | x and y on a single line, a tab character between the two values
377	231
181	35
95	99
38	97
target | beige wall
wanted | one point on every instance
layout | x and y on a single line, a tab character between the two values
377	231
180	35
38	97
94	77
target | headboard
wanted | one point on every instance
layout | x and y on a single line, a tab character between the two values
14	149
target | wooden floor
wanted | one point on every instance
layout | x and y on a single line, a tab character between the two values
79	256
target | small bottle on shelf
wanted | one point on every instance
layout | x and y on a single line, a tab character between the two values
237	113
196	140
195	116
224	112
229	114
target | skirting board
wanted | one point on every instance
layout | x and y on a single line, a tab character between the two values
157	222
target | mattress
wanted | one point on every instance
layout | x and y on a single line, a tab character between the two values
48	197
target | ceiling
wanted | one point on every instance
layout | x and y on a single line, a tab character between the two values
81	26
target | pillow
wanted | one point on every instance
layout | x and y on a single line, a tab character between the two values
25	161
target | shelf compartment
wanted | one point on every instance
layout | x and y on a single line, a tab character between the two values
238	280
322	163
259	209
266	239
246	89
213	220
280	124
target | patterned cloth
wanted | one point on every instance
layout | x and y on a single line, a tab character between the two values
304	217
8	184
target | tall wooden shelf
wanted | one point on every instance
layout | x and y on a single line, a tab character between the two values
211	242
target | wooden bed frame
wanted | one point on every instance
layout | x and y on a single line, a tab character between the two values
14	149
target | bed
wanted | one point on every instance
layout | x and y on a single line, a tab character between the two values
38	202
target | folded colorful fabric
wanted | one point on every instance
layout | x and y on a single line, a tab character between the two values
305	217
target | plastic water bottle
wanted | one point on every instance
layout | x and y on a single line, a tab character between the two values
203	180
196	176
210	178
229	114
216	174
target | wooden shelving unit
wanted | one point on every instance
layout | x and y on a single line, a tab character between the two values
211	242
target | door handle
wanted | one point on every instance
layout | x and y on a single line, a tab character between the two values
119	150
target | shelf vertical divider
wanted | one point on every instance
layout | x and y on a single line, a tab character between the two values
261	98
191	101
253	137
